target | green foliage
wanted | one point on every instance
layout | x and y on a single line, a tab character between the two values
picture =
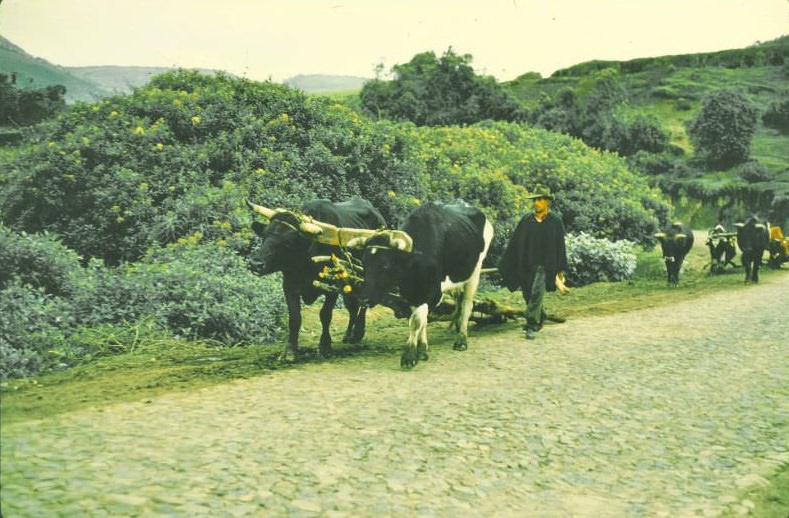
23	107
591	259
181	155
722	130
753	172
39	261
32	322
493	164
431	91
194	291
777	114
600	117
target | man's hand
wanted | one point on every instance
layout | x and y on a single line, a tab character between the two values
560	284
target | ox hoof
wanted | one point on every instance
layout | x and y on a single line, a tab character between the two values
325	350
421	353
408	360
461	344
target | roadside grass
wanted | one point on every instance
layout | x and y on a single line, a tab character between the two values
159	366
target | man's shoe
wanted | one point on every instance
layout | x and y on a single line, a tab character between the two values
530	334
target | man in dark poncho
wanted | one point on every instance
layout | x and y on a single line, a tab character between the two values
535	258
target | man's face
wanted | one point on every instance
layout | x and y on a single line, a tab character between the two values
541	204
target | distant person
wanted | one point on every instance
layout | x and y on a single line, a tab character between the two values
535	258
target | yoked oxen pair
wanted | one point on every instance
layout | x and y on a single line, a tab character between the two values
753	237
676	241
287	248
440	248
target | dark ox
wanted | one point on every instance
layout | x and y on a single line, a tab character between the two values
676	241
449	243
753	238
286	249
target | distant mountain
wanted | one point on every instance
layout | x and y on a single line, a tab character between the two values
82	83
313	83
117	79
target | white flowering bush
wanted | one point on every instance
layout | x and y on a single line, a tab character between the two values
591	259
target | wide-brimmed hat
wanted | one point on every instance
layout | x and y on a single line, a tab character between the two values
540	191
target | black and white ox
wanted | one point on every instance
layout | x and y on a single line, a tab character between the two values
722	248
676	241
440	248
287	248
753	237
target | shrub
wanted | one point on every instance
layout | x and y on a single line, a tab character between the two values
722	130
194	291
33	323
753	172
777	115
598	260
38	260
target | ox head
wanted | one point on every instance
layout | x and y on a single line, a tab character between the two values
387	259
285	244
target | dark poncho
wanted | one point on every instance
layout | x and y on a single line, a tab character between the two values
534	244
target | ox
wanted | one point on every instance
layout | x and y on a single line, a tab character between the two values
440	249
753	237
676	241
722	248
287	248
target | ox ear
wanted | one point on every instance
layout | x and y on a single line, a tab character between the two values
357	242
258	228
401	241
739	225
308	227
661	235
680	236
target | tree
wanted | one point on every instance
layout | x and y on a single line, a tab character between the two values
431	91
723	129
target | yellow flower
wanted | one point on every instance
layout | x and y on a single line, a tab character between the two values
195	120
347	288
159	145
139	130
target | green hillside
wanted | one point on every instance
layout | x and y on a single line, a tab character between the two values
672	88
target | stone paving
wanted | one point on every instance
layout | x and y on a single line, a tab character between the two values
669	411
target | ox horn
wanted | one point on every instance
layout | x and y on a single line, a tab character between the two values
307	225
263	211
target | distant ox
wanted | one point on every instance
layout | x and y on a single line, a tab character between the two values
676	241
287	248
753	238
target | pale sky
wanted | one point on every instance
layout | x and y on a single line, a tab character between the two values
278	39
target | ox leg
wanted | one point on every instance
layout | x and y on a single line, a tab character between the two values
466	307
746	264
293	301
757	262
416	345
326	313
357	314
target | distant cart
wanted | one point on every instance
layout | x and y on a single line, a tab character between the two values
778	248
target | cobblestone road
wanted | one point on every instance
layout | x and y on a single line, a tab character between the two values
668	411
